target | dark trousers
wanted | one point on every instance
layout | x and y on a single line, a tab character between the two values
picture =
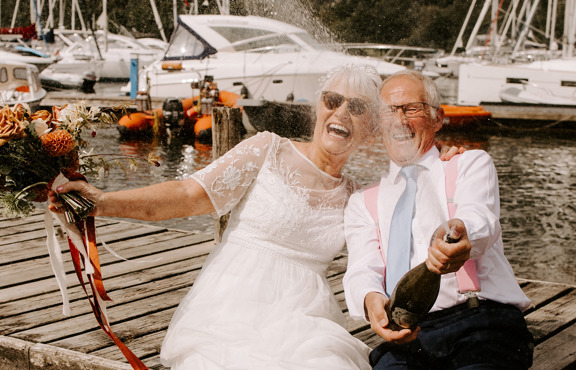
492	336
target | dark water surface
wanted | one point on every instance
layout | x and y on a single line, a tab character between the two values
537	175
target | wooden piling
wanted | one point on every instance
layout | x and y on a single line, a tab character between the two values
227	131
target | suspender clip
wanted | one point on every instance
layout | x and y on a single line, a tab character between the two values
472	299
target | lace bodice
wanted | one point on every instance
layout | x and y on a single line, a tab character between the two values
279	199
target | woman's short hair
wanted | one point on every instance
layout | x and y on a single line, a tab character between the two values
362	78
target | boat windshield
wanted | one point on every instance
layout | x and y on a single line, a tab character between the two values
186	44
256	40
313	42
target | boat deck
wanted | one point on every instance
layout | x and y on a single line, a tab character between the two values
146	289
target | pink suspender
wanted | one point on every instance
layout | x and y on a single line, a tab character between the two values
371	201
466	276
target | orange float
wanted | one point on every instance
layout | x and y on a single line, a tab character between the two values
456	115
190	116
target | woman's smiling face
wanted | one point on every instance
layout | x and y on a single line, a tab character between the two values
341	119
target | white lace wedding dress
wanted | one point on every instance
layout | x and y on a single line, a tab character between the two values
262	300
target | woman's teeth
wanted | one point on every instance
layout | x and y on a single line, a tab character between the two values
338	130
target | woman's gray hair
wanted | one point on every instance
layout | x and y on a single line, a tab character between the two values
432	95
365	81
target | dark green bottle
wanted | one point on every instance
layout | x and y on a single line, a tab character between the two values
414	296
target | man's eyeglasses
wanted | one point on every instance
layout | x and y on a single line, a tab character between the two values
333	100
410	109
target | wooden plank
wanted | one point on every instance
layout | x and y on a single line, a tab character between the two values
27	270
123	289
147	348
96	339
6	223
33	248
33	303
541	293
109	270
27	224
558	352
136	319
552	317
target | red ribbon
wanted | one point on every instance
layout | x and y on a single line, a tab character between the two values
88	231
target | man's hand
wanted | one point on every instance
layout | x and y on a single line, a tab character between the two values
374	305
446	257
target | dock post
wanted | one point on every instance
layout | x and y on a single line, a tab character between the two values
226	133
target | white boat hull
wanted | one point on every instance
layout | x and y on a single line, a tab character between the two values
554	82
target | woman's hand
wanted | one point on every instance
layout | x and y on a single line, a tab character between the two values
80	187
451	153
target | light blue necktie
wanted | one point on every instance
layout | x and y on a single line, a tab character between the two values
400	241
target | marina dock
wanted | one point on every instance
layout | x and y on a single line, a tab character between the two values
160	266
110	96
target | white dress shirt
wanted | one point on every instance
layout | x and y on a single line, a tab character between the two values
478	206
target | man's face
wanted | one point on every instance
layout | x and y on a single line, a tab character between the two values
409	135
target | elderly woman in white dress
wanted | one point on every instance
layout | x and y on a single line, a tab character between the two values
262	300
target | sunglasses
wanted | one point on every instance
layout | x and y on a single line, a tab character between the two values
333	100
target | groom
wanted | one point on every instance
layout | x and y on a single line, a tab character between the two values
480	326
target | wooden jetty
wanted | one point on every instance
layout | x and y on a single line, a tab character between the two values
146	288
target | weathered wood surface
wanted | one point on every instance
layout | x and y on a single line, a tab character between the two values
162	265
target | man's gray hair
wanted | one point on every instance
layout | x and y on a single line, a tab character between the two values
432	95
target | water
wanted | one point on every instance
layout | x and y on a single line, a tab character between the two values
537	176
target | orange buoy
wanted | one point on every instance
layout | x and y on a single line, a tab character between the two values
460	114
136	123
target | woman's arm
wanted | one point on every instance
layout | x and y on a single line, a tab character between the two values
171	199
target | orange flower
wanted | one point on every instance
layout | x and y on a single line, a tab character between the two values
57	143
11	125
56	111
44	115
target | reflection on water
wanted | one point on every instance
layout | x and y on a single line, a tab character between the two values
537	176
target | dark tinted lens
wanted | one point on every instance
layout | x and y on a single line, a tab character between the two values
332	100
357	107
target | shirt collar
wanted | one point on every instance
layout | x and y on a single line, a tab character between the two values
426	161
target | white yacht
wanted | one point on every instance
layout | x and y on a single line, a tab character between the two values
541	82
107	56
273	60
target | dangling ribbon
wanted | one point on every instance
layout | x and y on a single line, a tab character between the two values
83	250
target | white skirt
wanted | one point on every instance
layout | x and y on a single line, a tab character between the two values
253	308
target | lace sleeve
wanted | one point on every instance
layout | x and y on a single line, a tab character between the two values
226	179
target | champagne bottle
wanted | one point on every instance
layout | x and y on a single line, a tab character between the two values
414	296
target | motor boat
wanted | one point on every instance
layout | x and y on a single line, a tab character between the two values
107	56
544	82
263	58
19	83
41	61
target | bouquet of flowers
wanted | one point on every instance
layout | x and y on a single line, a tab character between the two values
40	151
37	148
